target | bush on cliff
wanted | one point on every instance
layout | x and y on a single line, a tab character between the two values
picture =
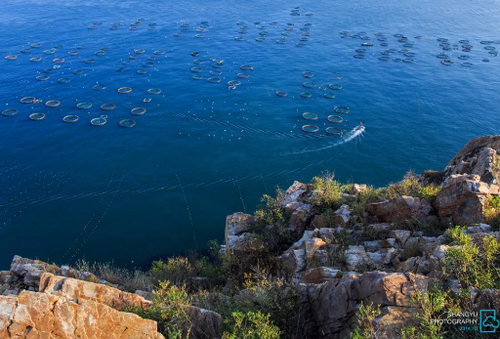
169	310
492	211
474	265
365	326
250	325
411	186
327	191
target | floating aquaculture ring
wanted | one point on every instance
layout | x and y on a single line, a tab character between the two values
310	128
37	116
73	53
10	57
138	111
341	109
156	52
141	71
328	96
59	60
154	91
77	71
146	100
304	38
101	121
307	74
36	59
64	80
100	53
234	82
358	56
231	87
335	87
336	119
89	61
139	51
260	39
214	80
84	105
384	58
217	65
214	72
52	103
28	100
305	95
334	131
197	77
489	48
127	123
281	94
99	87
49	51
442	56
442	40
243	75
10	112
108	106
486	42
246	68
466	64
367	44
408	60
198	61
239	38
26	50
196	69
71	118
308	84
309	116
447	62
36	45
464	42
124	90
361	50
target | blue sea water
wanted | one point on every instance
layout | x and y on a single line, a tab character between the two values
201	151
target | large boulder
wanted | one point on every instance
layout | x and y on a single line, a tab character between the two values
479	157
299	216
238	226
78	289
329	308
461	199
400	208
29	271
293	193
205	324
42	315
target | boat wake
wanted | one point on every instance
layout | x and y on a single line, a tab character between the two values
348	136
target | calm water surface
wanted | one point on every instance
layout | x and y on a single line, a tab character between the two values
202	151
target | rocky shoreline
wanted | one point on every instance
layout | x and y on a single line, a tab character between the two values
313	258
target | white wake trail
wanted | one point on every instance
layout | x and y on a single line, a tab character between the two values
348	136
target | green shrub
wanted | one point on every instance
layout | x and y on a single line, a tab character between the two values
251	325
365	327
176	270
492	211
328	192
473	265
410	186
169	310
270	211
433	305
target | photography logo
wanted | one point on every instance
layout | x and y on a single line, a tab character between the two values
488	322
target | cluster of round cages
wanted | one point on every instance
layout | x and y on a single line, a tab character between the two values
332	118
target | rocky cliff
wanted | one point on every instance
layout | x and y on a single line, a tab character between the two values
320	251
